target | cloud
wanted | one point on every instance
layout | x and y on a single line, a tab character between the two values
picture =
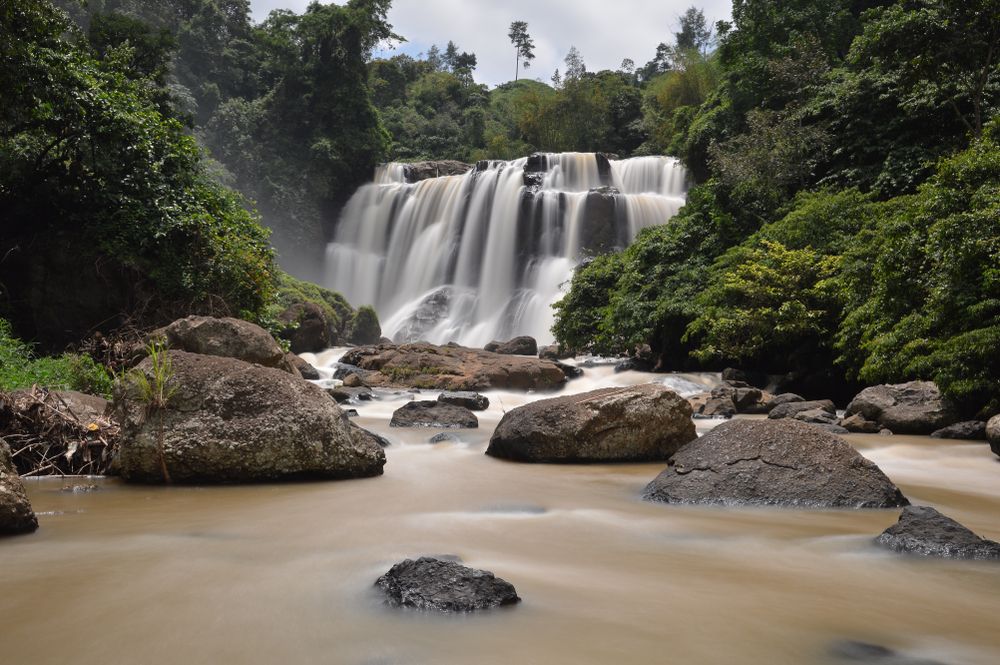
604	32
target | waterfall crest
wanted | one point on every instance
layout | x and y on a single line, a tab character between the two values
483	256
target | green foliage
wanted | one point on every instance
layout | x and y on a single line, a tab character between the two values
84	149
155	388
20	368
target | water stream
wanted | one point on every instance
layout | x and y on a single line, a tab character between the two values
283	573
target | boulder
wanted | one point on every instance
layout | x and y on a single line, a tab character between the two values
569	371
444	437
343	394
306	328
773	462
751	378
16	515
993	433
519	346
353	380
444	586
712	405
924	531
554	352
228	421
366	437
637	423
422	365
226	337
84	408
859	425
917	407
785	398
969	430
792	409
818	417
305	370
470	400
433	414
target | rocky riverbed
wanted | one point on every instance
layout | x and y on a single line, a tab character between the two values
261	573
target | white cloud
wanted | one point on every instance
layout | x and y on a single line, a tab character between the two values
604	32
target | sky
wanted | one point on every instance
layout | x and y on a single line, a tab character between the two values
604	31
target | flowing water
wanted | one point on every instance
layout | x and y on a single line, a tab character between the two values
283	573
483	256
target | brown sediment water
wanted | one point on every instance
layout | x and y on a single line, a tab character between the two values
283	573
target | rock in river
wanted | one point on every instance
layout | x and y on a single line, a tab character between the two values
433	414
444	586
924	531
470	400
773	462
422	365
519	346
993	433
226	337
917	407
16	515
638	423
968	430
230	421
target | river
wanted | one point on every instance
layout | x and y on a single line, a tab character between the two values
283	573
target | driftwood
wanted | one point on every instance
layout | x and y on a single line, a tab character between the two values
46	437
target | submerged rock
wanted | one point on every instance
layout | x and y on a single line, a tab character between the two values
305	370
917	407
519	346
859	425
444	586
638	423
228	421
433	414
225	337
773	462
969	430
863	653
16	515
924	531
470	400
422	365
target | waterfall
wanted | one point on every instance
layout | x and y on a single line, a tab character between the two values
483	256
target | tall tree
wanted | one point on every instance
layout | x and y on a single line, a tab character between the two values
695	33
575	66
523	45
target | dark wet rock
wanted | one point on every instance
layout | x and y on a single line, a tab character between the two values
225	337
969	430
519	346
832	428
366	437
343	395
569	371
917	407
885	432
351	413
16	515
306	328
993	434
445	437
417	171
444	586
792	409
784	398
305	370
858	424
754	379
433	414
924	531
470	400
818	417
773	462
422	365
353	380
229	421
863	653
638	423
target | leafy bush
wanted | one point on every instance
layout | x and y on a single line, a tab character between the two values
20	368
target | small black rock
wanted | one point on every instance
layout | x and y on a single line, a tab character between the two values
468	399
444	586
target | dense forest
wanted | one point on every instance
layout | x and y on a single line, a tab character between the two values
842	223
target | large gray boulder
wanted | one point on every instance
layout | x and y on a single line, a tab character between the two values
993	433
225	337
472	401
16	515
445	586
924	531
228	421
773	462
917	407
638	423
519	346
793	409
967	430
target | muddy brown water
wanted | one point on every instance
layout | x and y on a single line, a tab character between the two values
284	573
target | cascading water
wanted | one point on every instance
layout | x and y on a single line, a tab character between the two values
483	256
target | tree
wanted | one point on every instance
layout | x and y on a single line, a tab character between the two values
575	66
450	55
556	79
694	33
523	45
